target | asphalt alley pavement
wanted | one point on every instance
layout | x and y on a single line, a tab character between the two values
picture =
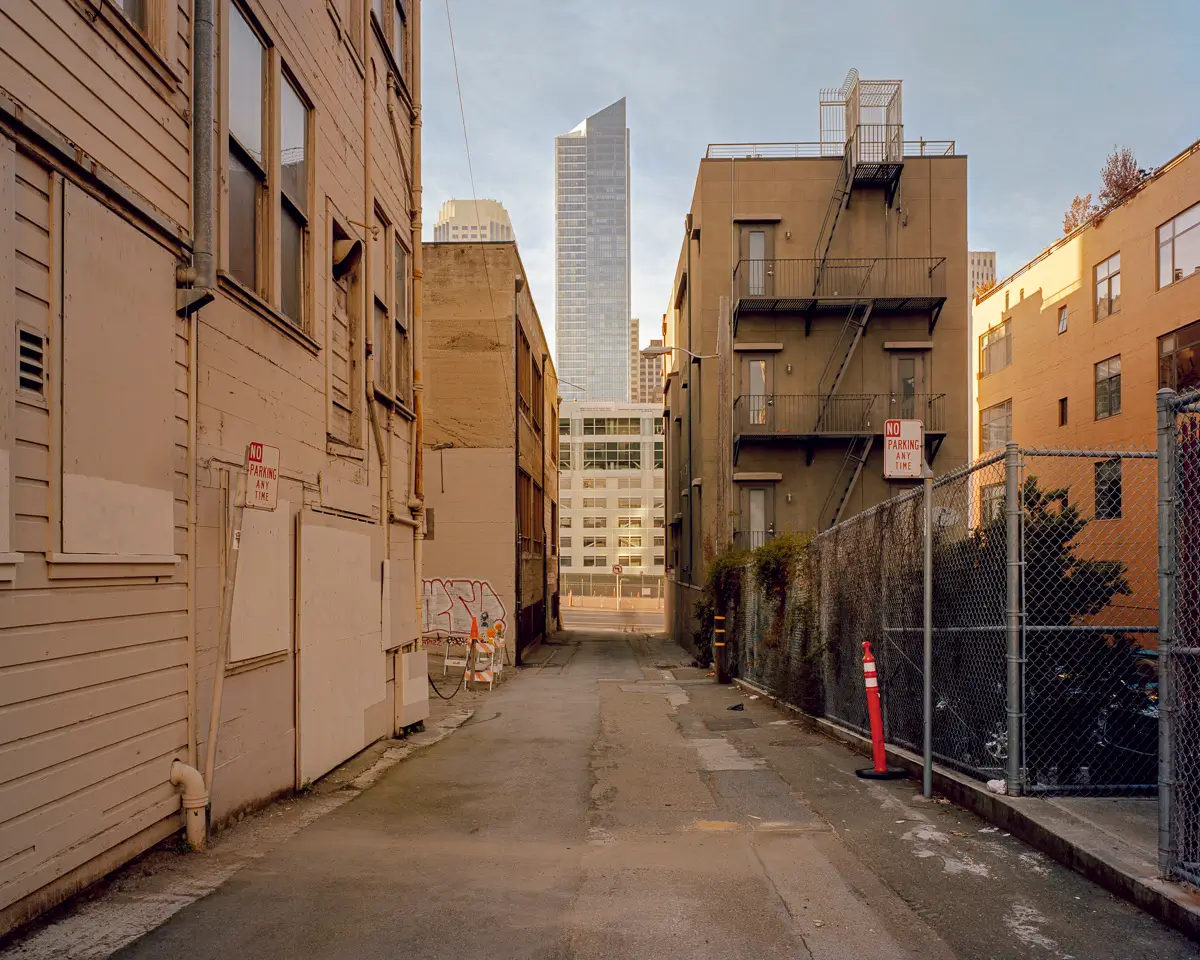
608	804
626	621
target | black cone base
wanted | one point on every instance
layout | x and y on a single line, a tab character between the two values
891	773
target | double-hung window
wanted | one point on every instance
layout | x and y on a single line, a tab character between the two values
1179	247
247	76
1108	286
293	201
1108	388
995	349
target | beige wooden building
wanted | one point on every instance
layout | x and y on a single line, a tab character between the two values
168	299
848	258
491	448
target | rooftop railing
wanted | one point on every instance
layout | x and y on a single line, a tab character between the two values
787	151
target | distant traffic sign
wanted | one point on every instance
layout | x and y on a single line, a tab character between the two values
617	569
903	449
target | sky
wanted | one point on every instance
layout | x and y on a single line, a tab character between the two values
1034	93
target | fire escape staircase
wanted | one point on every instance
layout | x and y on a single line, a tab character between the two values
847	476
839	200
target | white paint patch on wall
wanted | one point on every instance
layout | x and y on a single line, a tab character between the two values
262	602
108	516
342	665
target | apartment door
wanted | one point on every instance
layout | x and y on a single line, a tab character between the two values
757	253
910	392
757	511
757	391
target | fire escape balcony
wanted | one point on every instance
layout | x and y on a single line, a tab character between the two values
812	417
810	286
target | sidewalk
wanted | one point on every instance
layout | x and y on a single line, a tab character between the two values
1111	841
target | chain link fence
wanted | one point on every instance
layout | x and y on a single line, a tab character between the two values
1179	575
1044	621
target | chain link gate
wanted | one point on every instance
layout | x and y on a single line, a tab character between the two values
1179	647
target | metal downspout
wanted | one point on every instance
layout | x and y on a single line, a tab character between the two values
416	501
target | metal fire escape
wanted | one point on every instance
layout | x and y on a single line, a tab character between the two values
862	121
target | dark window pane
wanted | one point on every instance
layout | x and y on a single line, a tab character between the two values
399	37
291	265
293	165
135	10
401	294
1187	368
1108	490
1114	394
243	222
246	83
1114	293
379	346
1165	277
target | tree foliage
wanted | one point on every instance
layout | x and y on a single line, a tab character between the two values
984	286
1078	213
1120	174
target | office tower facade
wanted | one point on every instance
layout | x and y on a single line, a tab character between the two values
591	244
465	220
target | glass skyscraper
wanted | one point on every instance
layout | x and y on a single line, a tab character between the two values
591	246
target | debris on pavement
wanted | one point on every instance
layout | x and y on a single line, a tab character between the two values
997	786
737	706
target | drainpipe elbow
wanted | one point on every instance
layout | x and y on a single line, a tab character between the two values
195	802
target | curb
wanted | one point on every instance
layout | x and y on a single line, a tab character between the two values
1172	903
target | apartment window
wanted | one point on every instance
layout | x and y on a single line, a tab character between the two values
595	560
595	523
660	541
660	523
564	458
1108	286
564	483
293	201
630	559
1062	411
992	501
659	428
995	349
247	163
564	523
564	542
1062	319
594	483
629	522
595	542
660	483
564	426
629	540
564	561
401	345
553	531
660	503
1179	247
658	455
1108	388
1179	358
629	483
524	373
629	503
566	503
660	560
995	426
600	502
1108	489
612	455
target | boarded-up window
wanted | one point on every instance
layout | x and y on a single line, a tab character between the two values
118	391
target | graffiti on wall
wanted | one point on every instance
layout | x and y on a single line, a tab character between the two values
450	606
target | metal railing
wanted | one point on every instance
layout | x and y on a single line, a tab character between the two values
897	279
785	151
811	414
877	143
752	539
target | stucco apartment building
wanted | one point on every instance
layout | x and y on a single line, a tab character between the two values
491	448
1070	350
170	300
820	287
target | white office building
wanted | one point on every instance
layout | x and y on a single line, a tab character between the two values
612	501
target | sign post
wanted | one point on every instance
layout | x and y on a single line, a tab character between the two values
904	459
616	569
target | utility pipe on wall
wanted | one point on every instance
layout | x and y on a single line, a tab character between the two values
416	501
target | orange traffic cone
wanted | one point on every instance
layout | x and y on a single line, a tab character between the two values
474	629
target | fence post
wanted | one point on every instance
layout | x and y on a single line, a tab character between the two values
927	637
1013	606
1166	608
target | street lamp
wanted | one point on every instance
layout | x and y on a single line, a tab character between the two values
662	351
